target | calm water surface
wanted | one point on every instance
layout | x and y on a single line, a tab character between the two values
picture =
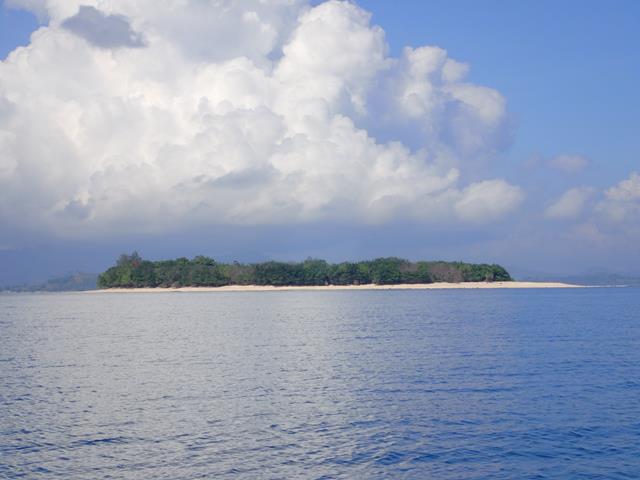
319	385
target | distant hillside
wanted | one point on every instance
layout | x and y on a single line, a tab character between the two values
75	282
602	279
594	278
132	271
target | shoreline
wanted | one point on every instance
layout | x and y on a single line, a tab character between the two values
407	286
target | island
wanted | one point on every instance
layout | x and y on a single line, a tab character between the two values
132	273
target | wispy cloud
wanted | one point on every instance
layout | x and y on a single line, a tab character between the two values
571	204
569	163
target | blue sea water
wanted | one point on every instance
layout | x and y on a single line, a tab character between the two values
456	384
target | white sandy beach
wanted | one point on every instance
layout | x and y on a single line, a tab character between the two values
418	286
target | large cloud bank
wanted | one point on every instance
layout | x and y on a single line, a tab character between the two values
143	115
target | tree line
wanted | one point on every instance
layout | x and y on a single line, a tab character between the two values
131	271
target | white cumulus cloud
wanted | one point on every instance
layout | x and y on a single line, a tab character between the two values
621	203
571	204
608	218
488	200
140	115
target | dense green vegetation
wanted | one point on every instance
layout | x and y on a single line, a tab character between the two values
132	271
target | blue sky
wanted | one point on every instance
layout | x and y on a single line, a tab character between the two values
15	28
553	175
569	69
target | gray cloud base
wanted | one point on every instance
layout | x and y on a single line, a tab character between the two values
102	30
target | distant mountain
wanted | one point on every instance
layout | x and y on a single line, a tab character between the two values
75	282
602	279
597	278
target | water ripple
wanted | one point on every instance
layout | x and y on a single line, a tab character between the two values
321	385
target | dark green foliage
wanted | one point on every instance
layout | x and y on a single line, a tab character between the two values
349	274
239	274
315	272
385	271
483	273
132	271
279	274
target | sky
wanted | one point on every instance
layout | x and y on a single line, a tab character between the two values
492	131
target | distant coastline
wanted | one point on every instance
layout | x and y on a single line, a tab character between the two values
75	282
406	286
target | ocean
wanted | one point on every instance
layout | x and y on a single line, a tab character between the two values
427	384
